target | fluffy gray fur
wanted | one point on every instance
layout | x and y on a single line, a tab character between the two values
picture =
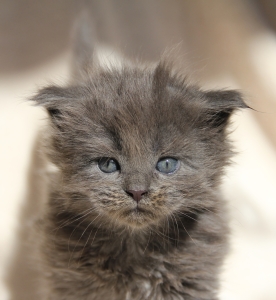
95	243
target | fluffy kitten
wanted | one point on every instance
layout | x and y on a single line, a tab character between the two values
134	211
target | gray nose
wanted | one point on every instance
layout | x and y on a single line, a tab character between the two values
136	195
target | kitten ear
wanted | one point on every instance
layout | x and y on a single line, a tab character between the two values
54	99
221	104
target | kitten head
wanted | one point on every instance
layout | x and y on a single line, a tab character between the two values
138	145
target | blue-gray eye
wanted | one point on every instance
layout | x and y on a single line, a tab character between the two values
108	165
167	165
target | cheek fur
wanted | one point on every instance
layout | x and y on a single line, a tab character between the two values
166	196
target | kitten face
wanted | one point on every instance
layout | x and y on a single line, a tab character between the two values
144	121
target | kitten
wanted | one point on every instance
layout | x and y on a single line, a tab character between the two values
134	211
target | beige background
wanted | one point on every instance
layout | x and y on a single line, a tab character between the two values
227	43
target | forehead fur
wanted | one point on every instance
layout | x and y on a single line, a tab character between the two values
138	110
139	107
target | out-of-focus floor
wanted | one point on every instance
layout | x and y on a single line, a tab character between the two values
249	187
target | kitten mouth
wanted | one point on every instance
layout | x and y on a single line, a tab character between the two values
138	213
138	209
136	216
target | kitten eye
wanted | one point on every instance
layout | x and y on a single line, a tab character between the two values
108	165
167	165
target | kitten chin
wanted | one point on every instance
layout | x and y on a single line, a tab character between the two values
134	210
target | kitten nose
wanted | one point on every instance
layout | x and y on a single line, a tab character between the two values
136	195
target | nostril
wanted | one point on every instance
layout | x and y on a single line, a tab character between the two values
136	195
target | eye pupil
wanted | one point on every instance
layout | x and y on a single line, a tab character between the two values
167	165
108	165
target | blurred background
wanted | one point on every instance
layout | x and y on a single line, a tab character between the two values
218	44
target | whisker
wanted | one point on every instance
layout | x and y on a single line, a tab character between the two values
168	227
89	238
177	228
68	245
147	243
187	232
162	235
186	215
71	220
80	238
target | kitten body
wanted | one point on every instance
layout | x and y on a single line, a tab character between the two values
97	241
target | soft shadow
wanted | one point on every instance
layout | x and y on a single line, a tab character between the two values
23	278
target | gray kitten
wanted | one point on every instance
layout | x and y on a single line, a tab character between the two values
134	211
